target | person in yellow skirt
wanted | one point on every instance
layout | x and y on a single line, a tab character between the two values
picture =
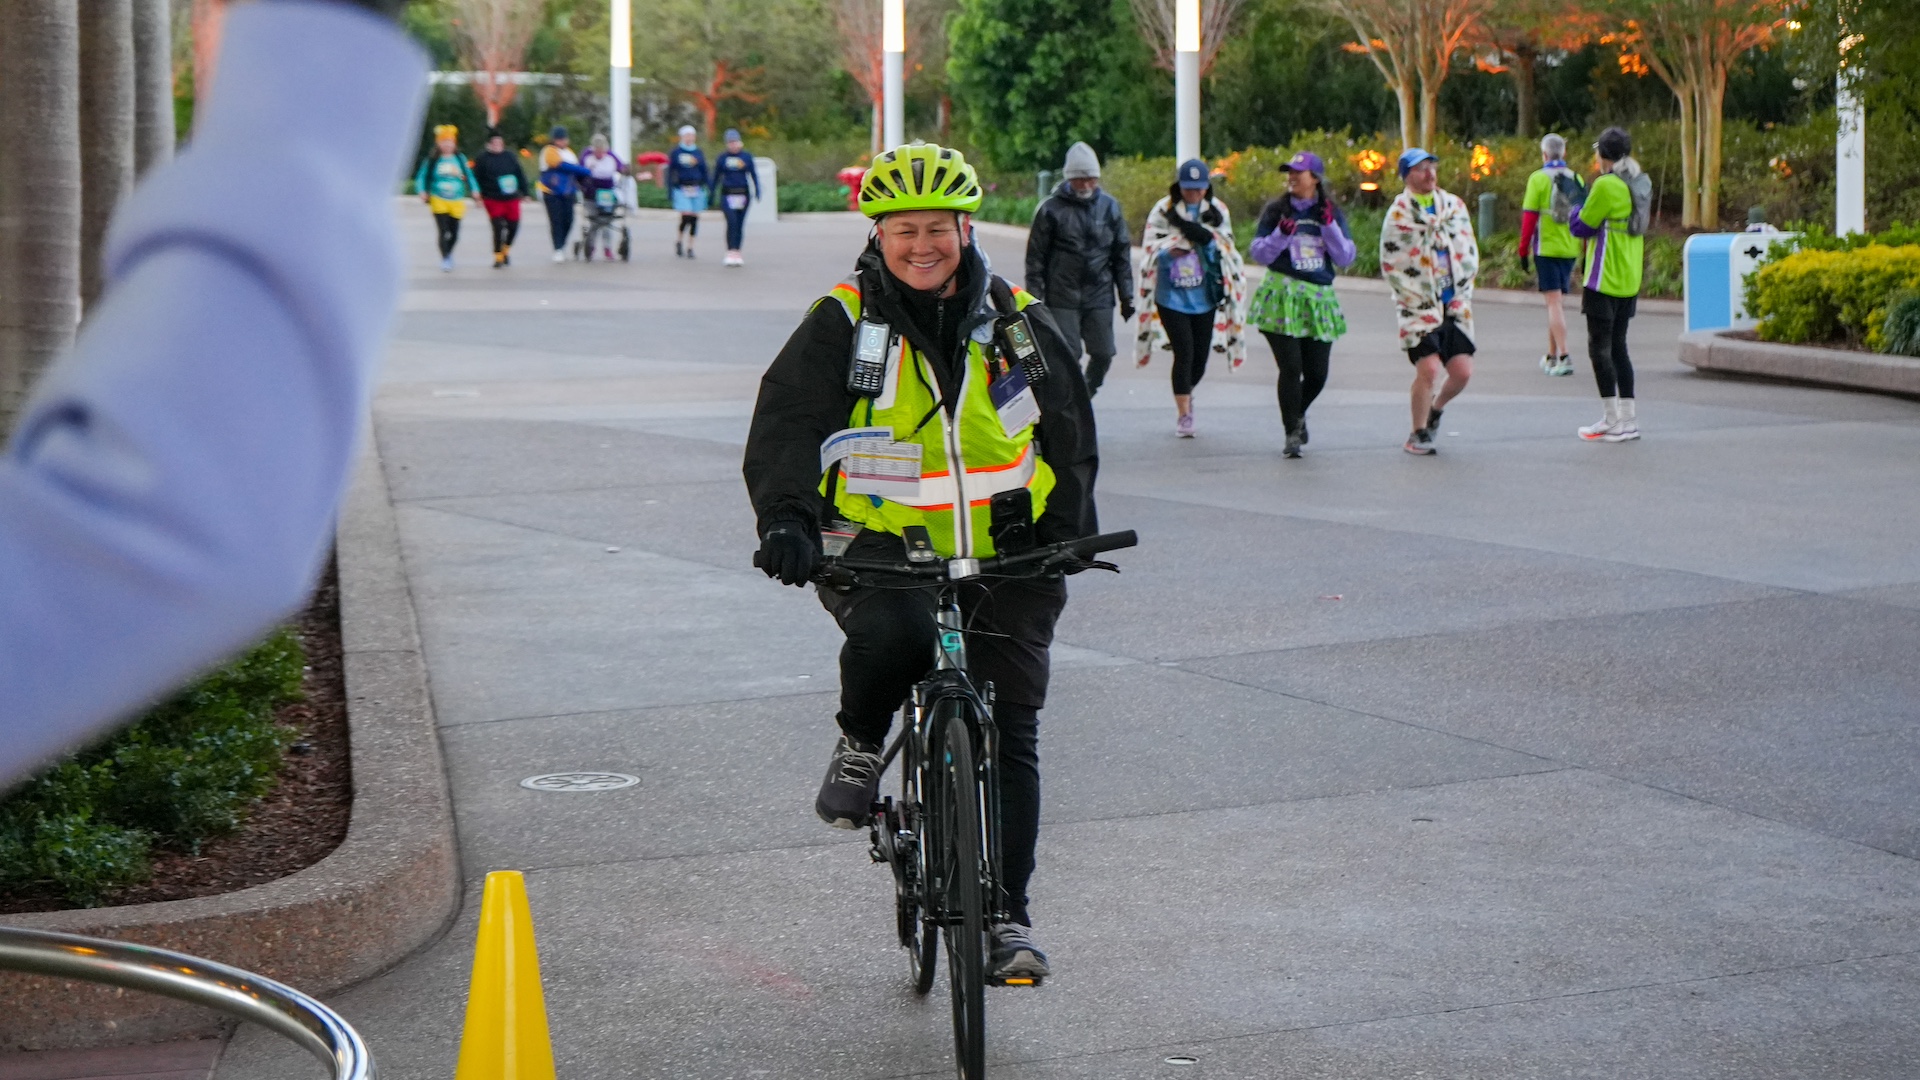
445	183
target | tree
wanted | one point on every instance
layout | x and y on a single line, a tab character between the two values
1032	76
1413	43
723	84
39	194
1511	37
153	84
1156	21
106	130
1690	45
863	53
207	19
493	36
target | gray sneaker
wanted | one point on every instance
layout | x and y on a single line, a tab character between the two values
852	784
1014	954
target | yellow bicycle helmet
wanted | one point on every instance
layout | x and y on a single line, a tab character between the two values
919	176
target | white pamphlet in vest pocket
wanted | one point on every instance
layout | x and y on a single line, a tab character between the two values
875	464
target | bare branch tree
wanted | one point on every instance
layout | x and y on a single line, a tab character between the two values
862	52
493	36
1412	42
1156	18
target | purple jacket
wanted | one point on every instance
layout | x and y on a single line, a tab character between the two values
1296	251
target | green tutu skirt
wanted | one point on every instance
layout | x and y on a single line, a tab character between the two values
1286	305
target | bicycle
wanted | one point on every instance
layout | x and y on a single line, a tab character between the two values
942	836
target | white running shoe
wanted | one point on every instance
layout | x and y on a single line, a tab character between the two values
1547	363
1593	432
560	256
1624	431
1562	366
446	264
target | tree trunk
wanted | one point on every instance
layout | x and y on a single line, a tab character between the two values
1430	109
1713	97
1526	122
39	194
106	130
874	149
1689	160
1409	116
153	83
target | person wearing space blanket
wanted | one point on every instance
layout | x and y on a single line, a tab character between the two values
1193	287
1429	258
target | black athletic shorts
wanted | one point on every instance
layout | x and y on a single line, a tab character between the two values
1447	342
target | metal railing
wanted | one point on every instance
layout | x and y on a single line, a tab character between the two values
282	1009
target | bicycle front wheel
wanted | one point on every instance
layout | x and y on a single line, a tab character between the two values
964	892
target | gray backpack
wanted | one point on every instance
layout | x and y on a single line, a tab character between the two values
1568	194
1640	186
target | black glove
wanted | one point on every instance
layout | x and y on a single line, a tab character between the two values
1197	234
1127	310
1211	215
1526	263
788	552
1285	226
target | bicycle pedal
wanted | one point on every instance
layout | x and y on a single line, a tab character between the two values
1019	980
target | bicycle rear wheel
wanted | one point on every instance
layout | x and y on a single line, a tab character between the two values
964	895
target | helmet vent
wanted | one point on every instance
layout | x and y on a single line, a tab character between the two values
919	174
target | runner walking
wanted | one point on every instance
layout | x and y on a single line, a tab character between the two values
1080	260
501	185
605	169
1554	194
1193	289
1301	238
1613	222
445	183
687	179
1429	258
560	174
733	174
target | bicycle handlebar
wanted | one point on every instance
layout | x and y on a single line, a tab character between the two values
956	569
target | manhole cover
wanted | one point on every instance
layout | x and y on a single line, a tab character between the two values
579	781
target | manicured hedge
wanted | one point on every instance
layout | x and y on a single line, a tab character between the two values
1832	297
186	772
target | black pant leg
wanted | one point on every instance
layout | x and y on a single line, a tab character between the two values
559	218
1202	344
1097	368
499	225
1622	363
1286	357
448	227
889	647
1192	339
1600	320
1316	358
513	230
1017	663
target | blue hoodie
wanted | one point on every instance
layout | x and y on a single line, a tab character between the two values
686	167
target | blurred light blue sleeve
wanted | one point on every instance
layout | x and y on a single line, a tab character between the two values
170	490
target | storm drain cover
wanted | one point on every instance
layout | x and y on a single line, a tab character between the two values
579	781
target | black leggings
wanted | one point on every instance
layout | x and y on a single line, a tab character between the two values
1192	339
889	647
1303	374
690	224
504	230
449	232
1607	319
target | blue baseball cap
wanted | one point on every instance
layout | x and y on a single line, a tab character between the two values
1306	161
558	132
1193	175
1412	156
732	135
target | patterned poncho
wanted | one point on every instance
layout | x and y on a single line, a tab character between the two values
1229	321
1408	239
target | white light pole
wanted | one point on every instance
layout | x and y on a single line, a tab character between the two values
620	90
1850	165
893	42
1186	79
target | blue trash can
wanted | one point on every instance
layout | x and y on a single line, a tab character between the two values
1714	268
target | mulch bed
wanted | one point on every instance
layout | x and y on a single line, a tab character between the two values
1836	346
299	822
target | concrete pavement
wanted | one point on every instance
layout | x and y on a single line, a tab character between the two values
1537	758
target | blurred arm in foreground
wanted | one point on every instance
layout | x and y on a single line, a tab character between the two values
171	488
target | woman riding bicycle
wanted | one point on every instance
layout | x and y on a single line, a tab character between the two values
942	417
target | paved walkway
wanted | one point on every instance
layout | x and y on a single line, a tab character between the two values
1537	758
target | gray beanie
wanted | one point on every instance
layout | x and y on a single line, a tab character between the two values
1082	163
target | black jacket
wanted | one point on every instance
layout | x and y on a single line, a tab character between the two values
488	168
804	399
1078	252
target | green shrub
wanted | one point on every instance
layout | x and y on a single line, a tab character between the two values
1826	297
1008	209
1902	328
812	196
184	773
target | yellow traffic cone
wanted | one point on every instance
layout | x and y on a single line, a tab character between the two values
506	1032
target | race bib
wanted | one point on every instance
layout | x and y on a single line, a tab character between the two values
736	202
874	463
605	199
691	189
509	185
1186	270
1442	267
1309	251
687	161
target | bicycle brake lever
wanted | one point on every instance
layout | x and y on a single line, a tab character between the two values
1082	565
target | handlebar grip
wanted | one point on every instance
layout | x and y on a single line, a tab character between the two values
1094	545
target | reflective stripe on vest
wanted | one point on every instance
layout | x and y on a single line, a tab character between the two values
988	460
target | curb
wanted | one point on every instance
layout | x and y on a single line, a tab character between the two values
390	887
1348	283
1710	350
